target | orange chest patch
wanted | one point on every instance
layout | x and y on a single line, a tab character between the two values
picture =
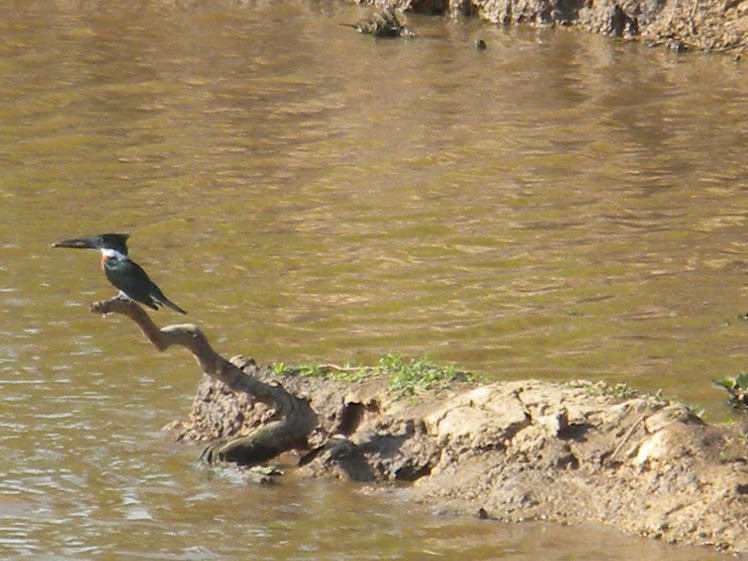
103	261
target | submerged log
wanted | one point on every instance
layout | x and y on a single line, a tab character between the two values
286	427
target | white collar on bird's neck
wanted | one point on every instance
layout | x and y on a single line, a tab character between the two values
110	253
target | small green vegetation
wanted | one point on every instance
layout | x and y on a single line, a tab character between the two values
405	376
620	390
696	409
345	373
736	387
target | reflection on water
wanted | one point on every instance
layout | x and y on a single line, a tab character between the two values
558	206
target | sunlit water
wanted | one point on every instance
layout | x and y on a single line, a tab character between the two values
558	206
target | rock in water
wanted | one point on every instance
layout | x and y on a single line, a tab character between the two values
383	24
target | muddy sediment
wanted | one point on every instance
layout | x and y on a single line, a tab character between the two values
712	25
520	450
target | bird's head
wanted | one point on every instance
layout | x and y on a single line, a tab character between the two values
103	242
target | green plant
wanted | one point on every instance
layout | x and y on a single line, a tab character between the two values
347	373
737	387
620	390
406	377
696	409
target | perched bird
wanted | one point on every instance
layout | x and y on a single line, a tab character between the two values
124	273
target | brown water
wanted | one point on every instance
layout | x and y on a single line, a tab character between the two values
558	206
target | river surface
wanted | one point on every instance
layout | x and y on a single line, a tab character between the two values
558	206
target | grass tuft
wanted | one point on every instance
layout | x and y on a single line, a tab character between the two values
408	377
405	377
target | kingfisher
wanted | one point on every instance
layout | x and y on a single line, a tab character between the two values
124	273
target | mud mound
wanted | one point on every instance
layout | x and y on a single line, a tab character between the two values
532	450
518	450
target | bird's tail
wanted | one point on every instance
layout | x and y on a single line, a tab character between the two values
166	302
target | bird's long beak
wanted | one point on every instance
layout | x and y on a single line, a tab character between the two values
78	243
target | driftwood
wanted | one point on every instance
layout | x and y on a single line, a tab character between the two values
286	429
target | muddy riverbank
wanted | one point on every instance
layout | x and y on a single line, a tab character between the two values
678	24
513	451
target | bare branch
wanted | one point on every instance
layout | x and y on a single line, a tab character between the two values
293	419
